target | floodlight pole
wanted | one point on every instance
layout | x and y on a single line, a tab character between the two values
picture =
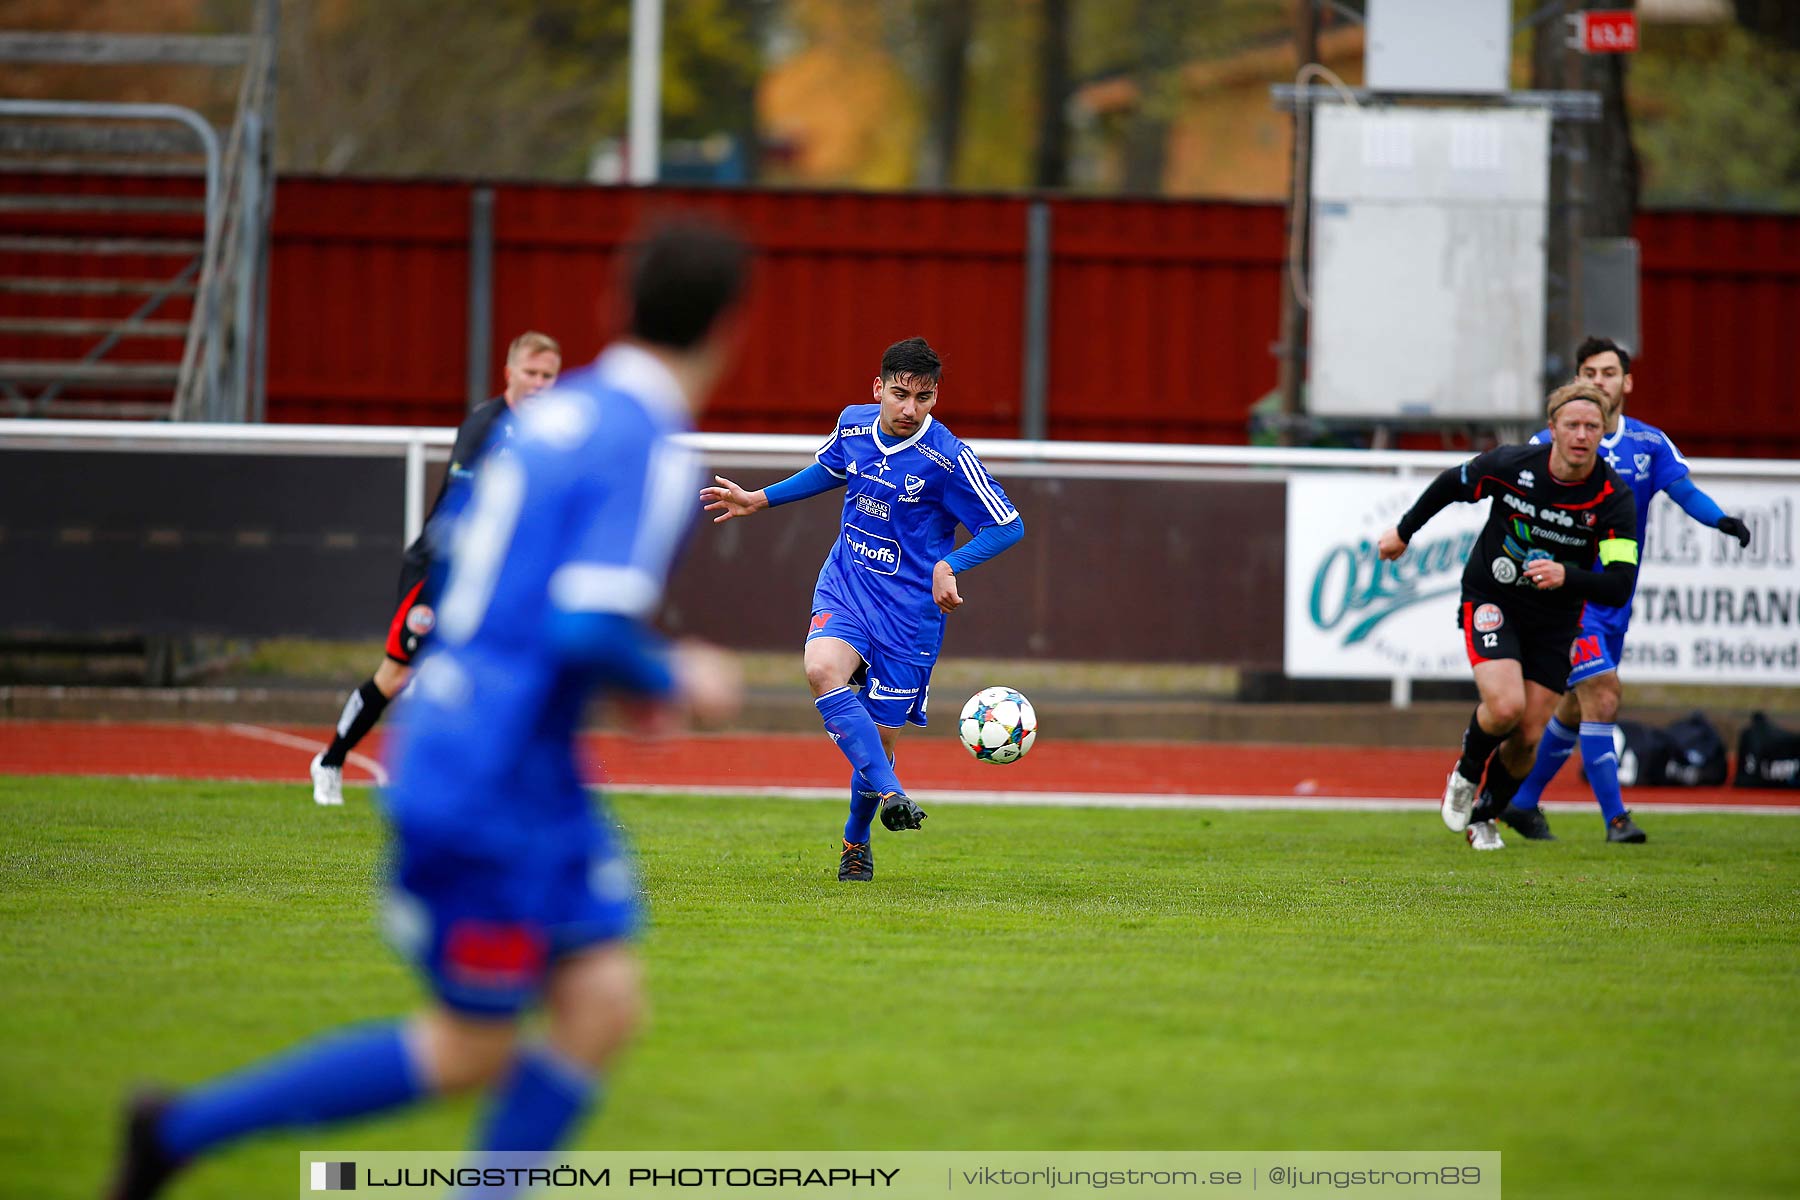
645	135
1292	349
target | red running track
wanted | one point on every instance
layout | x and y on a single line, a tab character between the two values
803	763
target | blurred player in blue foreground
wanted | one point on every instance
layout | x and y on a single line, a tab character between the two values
879	607
1648	461
532	363
506	887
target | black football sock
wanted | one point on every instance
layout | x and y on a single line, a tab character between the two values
1500	782
1501	788
361	711
1478	743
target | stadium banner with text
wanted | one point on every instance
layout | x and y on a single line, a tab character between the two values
1707	610
907	1175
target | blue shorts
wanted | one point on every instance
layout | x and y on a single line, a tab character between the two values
1594	652
485	927
896	686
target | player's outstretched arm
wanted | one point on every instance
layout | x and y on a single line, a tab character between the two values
729	500
1450	487
1704	509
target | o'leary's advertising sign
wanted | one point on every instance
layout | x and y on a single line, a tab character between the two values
1707	611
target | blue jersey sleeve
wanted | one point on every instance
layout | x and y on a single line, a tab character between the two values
1541	438
974	497
629	518
832	455
1666	464
812	481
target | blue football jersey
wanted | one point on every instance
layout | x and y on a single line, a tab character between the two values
1646	459
902	503
583	514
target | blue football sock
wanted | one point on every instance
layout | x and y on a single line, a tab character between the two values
1553	751
343	1074
863	803
542	1097
1601	759
858	738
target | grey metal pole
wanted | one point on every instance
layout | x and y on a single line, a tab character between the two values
481	291
243	332
643	151
1034	405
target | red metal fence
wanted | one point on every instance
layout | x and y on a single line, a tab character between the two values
1162	313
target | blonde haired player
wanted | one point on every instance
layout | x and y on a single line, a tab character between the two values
1555	510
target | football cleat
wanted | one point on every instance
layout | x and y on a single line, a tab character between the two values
856	864
1483	836
328	782
899	812
1622	829
1459	801
1531	823
144	1166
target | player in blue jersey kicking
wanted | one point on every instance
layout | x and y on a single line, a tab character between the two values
1648	461
505	886
879	607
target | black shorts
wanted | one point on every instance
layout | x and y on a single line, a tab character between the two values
1493	630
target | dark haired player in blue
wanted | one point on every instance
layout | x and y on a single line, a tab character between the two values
879	607
1646	459
506	887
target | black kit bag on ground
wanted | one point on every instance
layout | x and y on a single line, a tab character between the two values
1643	754
1695	754
1768	756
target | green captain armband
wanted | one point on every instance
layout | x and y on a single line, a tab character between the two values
1614	550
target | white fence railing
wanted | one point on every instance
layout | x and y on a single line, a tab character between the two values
1715	613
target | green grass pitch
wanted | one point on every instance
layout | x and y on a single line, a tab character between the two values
1615	1020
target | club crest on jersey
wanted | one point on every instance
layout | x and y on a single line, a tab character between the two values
1505	570
1642	462
1489	618
913	484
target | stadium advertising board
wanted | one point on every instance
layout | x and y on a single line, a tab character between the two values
1707	611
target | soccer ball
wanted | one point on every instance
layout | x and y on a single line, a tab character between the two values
998	725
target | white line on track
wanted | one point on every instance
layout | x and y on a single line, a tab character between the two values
299	743
1151	800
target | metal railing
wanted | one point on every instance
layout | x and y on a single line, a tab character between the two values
420	445
219	375
1011	460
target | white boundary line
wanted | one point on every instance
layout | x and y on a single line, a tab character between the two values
1136	800
258	733
1176	801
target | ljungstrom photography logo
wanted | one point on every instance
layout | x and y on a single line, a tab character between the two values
334	1177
